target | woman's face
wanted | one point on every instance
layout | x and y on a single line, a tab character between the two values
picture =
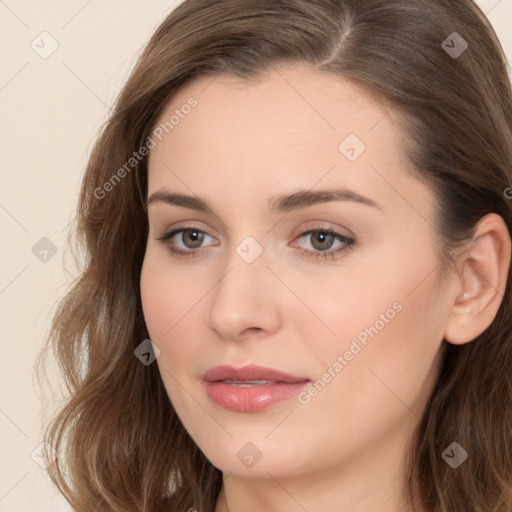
304	246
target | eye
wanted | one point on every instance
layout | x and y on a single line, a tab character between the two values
188	241
191	239
322	241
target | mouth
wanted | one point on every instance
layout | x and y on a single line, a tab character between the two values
259	375
248	383
251	388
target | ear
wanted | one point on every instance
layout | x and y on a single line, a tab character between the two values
482	279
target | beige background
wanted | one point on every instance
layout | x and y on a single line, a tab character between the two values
50	112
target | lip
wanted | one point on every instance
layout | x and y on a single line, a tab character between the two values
250	372
250	397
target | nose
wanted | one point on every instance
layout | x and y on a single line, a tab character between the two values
246	300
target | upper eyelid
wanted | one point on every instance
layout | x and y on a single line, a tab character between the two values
178	229
316	226
170	233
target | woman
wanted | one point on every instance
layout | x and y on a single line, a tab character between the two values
297	293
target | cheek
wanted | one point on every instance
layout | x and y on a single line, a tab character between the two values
389	329
156	297
376	375
173	306
168	294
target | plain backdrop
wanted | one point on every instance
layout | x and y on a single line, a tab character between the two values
51	107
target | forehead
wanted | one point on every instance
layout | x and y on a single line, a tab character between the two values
290	108
289	100
291	127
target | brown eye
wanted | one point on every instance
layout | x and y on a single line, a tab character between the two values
321	243
192	238
186	242
321	240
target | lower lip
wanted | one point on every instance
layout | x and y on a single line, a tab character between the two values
253	398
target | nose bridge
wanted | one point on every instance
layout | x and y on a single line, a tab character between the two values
243	298
248	259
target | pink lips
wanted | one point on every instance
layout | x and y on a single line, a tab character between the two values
251	388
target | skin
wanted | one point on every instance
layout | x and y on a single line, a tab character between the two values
243	144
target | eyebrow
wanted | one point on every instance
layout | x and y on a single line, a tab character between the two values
279	204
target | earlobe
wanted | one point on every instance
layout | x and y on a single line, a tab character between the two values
483	271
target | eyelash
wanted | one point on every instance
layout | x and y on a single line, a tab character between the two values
324	255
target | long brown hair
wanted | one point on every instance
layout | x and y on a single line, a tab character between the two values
121	446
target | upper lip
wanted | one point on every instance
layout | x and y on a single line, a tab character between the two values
249	373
